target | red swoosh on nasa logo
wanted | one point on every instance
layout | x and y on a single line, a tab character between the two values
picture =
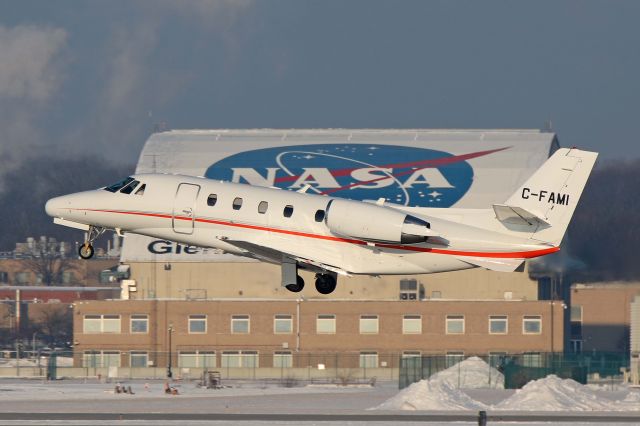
435	162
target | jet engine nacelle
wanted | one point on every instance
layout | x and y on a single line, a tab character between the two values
375	223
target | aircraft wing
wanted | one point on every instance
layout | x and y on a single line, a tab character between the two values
500	265
271	255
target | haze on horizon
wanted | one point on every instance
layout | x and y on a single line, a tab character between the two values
95	78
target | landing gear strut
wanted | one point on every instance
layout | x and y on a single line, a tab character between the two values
86	250
325	283
297	287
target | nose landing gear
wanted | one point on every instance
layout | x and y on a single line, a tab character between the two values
86	250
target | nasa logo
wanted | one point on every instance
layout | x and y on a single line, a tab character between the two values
400	174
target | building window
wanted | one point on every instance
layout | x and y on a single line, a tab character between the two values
368	324
282	324
138	359
368	359
496	358
92	324
532	324
576	346
282	359
436	294
576	313
67	277
22	277
326	324
454	357
197	359
319	217
412	324
576	327
237	203
197	324
240	324
139	323
262	207
288	210
498	324
532	359
212	199
92	359
411	360
239	359
455	324
111	324
4	277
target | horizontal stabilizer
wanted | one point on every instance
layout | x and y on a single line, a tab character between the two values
518	215
500	265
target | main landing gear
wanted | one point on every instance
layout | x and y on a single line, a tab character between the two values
86	249
297	287
325	283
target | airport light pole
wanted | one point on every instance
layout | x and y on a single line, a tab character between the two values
169	372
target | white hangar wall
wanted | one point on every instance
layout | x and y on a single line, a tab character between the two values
416	167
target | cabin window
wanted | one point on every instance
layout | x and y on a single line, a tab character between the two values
129	188
319	215
288	210
117	186
237	203
140	190
212	199
262	207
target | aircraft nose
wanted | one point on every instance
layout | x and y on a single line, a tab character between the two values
54	206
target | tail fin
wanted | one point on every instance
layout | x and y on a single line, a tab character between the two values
544	205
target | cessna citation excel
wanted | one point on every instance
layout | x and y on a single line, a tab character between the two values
331	236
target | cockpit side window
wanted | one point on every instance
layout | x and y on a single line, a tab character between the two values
117	186
129	188
140	190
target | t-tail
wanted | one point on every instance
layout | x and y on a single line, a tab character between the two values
544	205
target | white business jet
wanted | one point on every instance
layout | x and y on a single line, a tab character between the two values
335	236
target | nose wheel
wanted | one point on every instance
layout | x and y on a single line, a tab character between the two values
86	250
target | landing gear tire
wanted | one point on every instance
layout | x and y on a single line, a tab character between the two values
297	287
325	283
86	251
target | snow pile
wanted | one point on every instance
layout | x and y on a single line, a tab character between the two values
555	394
631	402
472	373
442	390
430	395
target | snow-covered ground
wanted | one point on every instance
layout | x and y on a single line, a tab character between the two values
461	390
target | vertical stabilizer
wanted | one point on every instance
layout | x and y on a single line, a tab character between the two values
547	200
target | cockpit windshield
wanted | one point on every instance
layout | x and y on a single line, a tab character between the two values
117	186
129	188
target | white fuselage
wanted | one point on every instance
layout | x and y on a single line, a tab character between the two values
177	208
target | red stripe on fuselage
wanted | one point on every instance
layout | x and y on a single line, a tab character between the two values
499	255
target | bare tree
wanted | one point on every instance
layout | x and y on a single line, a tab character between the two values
55	325
48	264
